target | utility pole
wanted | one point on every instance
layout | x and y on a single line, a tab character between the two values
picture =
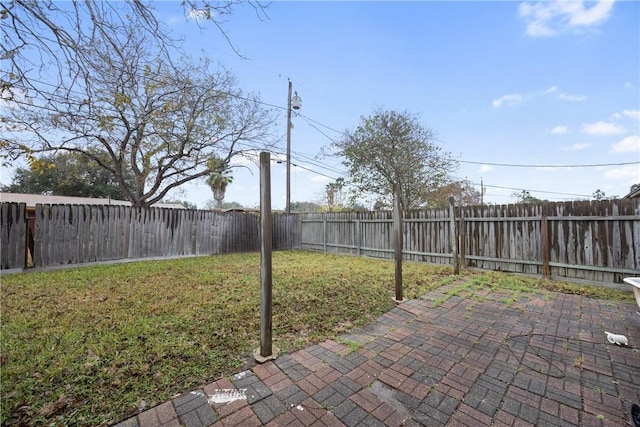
287	206
481	192
295	104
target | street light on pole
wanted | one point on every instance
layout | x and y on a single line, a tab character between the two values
294	103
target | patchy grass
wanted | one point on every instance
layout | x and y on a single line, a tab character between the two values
351	345
516	286
92	345
87	346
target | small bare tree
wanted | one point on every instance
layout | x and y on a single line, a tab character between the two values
389	148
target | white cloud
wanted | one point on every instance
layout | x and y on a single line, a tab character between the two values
548	18
513	99
485	168
634	114
582	16
630	173
628	85
602	128
576	147
559	130
628	144
574	98
509	100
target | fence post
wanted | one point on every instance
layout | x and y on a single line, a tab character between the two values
265	351
462	242
358	238
397	228
454	236
324	232
544	230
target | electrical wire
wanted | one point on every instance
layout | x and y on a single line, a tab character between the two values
300	165
318	163
549	166
307	169
535	191
312	122
320	124
321	132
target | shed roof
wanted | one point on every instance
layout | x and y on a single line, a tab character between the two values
31	200
635	194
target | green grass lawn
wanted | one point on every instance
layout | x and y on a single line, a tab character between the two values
89	346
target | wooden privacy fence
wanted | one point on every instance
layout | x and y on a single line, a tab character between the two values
74	234
592	241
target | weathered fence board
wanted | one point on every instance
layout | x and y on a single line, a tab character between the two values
286	232
13	235
597	241
594	241
74	234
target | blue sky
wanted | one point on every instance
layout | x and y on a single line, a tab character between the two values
533	83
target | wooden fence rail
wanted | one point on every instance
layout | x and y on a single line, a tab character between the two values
592	241
74	234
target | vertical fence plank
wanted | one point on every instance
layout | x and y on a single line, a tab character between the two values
462	241
14	235
544	231
453	236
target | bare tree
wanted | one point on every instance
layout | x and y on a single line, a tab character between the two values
116	90
391	147
58	37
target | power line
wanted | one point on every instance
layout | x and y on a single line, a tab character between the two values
311	122
306	168
317	173
482	163
324	134
535	191
294	156
549	166
319	163
321	124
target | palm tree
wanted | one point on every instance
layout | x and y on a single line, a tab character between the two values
218	183
219	179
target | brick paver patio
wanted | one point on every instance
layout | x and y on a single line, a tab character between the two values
471	360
